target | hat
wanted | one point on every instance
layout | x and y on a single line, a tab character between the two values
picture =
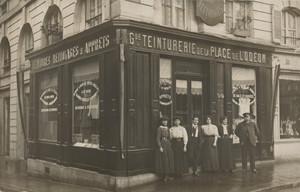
174	118
164	118
244	114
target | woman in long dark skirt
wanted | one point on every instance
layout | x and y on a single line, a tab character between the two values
179	139
164	163
225	146
210	161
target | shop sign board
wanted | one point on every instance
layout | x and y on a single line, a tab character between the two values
74	50
178	45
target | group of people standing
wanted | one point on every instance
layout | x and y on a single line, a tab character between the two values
208	145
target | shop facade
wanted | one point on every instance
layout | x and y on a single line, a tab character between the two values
98	95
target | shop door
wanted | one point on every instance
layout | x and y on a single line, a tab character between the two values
188	99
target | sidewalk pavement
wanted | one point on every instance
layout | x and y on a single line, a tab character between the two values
272	176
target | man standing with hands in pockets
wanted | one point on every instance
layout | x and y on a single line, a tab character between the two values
247	132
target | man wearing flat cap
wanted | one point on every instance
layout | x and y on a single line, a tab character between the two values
247	132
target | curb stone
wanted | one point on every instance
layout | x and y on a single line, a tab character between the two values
279	187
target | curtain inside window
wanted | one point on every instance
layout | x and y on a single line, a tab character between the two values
86	105
181	87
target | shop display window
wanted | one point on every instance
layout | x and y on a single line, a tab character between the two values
85	105
48	106
165	87
243	94
289	108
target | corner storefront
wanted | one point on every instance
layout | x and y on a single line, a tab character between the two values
98	96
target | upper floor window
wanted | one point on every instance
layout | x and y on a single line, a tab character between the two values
289	35
238	17
3	6
52	26
25	46
93	12
4	57
173	13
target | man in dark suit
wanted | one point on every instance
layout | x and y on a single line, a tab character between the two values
194	144
247	132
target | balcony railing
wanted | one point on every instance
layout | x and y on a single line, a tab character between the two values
291	41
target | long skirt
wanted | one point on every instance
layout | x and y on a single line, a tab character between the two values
226	154
210	161
164	163
180	157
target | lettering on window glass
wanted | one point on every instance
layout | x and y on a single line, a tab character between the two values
165	97
86	113
48	98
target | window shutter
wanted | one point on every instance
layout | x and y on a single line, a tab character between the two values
276	24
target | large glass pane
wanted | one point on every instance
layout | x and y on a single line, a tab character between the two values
243	93
196	92
180	14
167	12
48	103
181	100
229	16
289	108
165	87
85	105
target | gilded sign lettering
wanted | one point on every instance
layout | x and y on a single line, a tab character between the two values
194	48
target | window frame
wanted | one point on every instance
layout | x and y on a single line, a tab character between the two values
287	39
97	18
5	57
284	134
90	61
245	20
174	6
52	26
235	117
58	101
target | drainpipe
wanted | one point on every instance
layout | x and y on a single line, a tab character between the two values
273	104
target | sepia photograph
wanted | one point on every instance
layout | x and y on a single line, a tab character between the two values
149	95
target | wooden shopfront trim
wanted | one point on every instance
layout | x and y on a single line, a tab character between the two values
62	151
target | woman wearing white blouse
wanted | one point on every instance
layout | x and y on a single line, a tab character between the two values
179	138
210	152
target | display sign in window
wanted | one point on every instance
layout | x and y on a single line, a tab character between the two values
48	106
85	107
243	95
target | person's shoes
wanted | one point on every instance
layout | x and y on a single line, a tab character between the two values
195	174
254	171
170	178
230	171
244	170
165	179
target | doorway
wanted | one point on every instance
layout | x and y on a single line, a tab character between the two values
189	99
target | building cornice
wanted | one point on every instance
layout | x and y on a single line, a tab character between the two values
130	24
287	50
189	34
